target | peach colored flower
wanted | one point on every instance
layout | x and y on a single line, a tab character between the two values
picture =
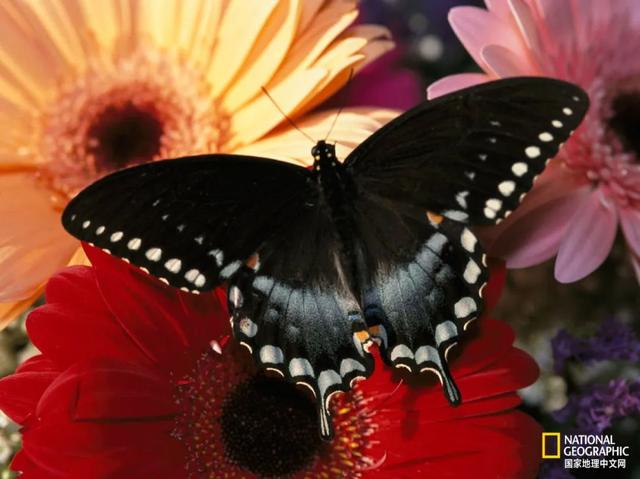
88	87
594	184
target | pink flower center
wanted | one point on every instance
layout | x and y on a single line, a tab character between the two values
237	422
606	149
625	121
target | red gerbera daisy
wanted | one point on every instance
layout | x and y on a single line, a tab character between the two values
133	382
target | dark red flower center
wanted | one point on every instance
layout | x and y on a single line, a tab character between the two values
238	422
269	427
124	135
625	121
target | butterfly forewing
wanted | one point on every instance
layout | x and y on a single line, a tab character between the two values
473	154
191	222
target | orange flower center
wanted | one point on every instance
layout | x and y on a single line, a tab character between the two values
239	423
144	107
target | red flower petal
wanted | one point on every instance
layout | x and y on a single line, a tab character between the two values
110	390
20	392
75	324
104	450
502	445
172	328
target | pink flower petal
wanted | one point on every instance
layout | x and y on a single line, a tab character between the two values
477	28
528	28
590	235
559	20
630	221
535	237
500	8
505	63
454	82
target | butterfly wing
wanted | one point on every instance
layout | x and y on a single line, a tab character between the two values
192	221
465	158
471	155
422	282
257	224
294	310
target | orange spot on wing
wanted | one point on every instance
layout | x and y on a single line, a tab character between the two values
362	336
434	218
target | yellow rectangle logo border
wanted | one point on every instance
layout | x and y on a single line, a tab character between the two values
545	435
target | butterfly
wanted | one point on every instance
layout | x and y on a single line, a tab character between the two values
321	263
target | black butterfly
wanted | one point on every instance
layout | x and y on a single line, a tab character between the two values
320	263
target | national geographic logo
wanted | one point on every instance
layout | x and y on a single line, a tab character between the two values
588	451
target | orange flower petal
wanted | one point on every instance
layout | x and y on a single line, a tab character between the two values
33	244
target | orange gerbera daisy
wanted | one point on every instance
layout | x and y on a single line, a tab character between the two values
90	87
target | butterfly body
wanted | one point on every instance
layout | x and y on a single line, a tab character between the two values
321	263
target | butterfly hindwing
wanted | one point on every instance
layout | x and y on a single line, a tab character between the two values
471	155
295	311
422	284
192	221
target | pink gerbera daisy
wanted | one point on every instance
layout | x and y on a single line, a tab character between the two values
594	184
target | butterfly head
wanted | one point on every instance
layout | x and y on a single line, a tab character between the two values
323	154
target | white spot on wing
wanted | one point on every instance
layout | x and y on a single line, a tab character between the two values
191	275
327	379
86	224
471	272
456	215
300	367
348	365
468	240
248	327
134	244
567	111
532	151
401	351
461	198
445	331
100	230
506	188
557	123
174	265
271	354
436	242
427	353
230	269
117	236
489	213
235	296
545	136
217	255
494	204
519	168
153	254
464	307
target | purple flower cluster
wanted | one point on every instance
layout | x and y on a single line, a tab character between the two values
613	340
554	470
594	409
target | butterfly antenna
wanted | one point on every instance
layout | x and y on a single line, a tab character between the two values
344	98
285	115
